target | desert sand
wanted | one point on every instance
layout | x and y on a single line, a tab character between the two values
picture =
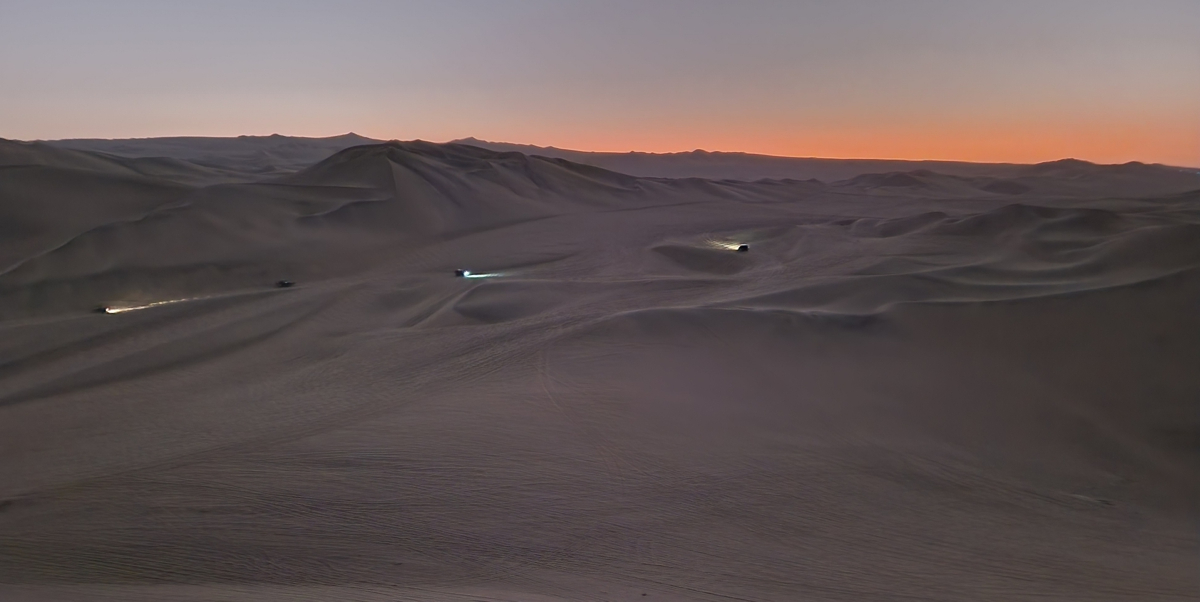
969	383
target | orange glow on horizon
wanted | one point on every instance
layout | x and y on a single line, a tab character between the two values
1174	144
1167	139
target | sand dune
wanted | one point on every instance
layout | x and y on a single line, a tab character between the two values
915	384
257	156
1137	178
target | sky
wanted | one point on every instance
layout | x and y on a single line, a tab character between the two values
997	80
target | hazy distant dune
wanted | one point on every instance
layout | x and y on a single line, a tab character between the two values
247	155
751	167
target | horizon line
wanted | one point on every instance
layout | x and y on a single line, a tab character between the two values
468	139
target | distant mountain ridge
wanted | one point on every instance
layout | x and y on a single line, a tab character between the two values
719	165
252	158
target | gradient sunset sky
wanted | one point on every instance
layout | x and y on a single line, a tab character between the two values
1000	80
